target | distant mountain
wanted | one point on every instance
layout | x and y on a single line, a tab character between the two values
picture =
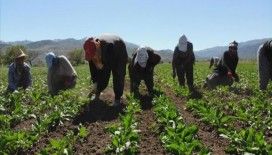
166	55
63	46
246	50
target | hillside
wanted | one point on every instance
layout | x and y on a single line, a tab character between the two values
63	46
246	50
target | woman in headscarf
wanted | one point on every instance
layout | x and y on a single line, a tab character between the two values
106	54
142	68
183	62
264	58
61	74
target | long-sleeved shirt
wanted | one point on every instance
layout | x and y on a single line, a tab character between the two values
264	59
137	71
230	60
183	58
61	75
19	77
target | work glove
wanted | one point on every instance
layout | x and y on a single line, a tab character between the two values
230	76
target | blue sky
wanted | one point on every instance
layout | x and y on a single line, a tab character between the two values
155	23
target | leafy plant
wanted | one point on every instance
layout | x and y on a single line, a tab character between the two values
125	135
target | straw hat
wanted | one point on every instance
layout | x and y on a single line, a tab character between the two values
19	54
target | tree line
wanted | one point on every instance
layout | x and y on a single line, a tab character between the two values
75	56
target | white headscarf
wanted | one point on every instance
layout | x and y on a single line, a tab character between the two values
49	59
182	45
141	56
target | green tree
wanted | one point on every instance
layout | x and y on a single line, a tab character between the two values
76	56
32	55
9	54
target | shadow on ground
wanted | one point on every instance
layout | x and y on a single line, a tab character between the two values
98	110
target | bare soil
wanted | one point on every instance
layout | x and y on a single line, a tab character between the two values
206	133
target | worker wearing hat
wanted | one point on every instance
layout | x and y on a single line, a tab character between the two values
19	72
105	54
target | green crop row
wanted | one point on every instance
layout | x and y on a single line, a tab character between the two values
176	136
225	107
65	144
124	135
46	111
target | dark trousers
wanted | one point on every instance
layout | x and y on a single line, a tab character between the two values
186	71
136	77
101	77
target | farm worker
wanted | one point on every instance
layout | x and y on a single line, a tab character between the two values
214	61
224	73
264	59
19	72
183	62
230	60
220	76
142	68
61	74
105	54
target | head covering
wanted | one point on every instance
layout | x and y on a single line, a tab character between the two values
19	53
141	56
90	49
233	44
182	45
49	59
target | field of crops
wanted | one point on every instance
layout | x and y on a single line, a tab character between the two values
228	120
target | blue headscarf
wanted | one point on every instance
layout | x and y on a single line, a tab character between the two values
49	59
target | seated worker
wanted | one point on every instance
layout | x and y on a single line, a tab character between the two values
19	72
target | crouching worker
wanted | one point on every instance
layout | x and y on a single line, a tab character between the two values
265	64
230	60
220	76
61	74
225	72
142	68
107	54
19	72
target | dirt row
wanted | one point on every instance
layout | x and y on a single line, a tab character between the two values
149	138
206	133
99	114
95	116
